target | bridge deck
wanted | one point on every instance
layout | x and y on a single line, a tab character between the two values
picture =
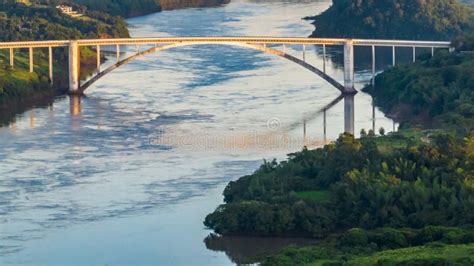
224	40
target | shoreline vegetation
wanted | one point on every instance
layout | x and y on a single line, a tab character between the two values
41	20
406	198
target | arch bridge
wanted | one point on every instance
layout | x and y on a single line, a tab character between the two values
264	44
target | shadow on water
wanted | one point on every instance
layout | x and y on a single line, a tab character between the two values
248	250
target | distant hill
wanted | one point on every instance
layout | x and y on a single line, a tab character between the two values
130	8
400	19
124	8
175	4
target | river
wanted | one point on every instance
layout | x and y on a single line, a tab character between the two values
127	174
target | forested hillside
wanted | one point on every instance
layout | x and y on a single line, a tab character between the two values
389	19
436	91
129	8
175	4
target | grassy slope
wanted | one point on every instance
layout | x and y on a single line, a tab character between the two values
436	255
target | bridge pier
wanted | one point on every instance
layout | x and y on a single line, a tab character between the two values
414	54
31	59
98	57
373	65
324	58
50	50
349	67
117	50
12	57
393	56
74	67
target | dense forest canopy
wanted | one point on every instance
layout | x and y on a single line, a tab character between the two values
390	19
437	90
352	183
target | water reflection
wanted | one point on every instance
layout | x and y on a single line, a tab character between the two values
266	140
276	137
32	119
75	105
349	114
248	250
12	126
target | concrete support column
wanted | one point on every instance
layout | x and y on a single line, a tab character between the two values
349	67
349	114
373	65
394	55
117	50
50	50
74	61
414	54
284	48
31	59
432	51
324	58
12	57
98	57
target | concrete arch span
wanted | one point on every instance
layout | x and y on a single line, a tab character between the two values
258	47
